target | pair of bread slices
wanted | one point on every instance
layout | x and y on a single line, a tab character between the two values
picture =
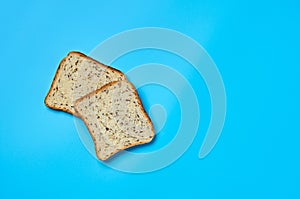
104	99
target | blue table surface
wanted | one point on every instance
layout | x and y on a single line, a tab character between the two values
255	45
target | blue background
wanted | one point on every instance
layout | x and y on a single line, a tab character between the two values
255	45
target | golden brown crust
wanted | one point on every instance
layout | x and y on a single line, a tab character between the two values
58	71
77	114
90	130
51	88
87	57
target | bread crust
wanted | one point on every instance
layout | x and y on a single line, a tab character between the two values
90	130
58	71
77	114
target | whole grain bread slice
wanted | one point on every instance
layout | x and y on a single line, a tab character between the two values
76	76
115	118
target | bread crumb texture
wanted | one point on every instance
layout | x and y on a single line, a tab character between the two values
115	118
77	76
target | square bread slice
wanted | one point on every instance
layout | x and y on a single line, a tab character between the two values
76	76
115	118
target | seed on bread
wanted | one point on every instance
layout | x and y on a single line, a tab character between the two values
76	76
115	118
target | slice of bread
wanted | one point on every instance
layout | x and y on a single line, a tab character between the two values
76	76
115	118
